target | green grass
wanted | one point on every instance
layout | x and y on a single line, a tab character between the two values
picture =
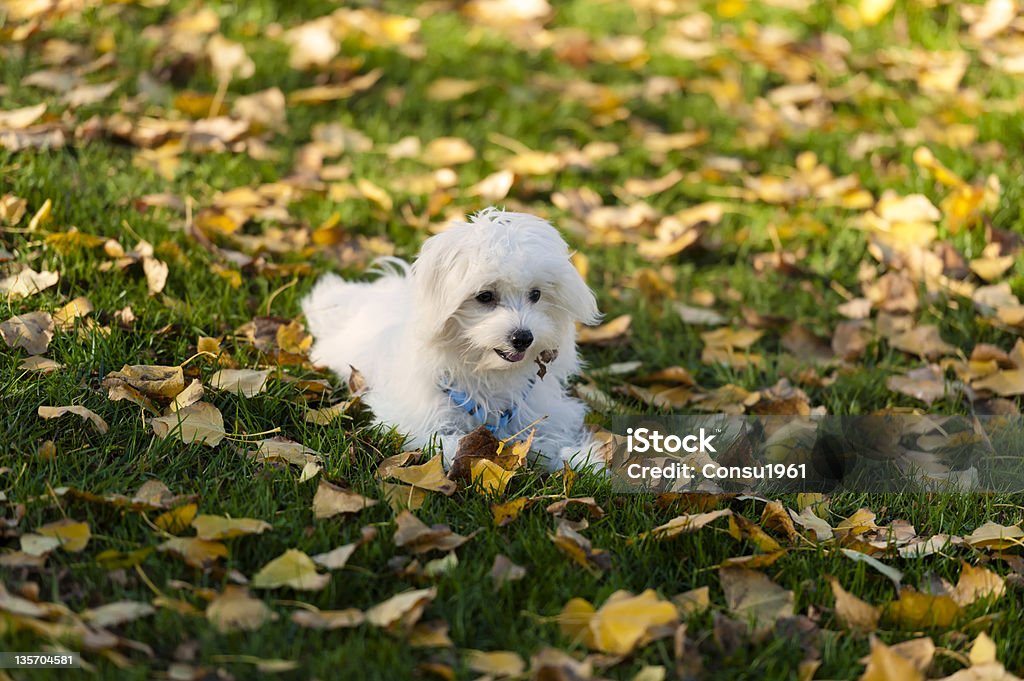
93	186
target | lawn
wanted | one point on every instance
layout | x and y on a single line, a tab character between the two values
834	187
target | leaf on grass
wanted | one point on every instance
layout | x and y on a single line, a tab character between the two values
336	559
177	520
293	569
113	614
428	476
194	551
609	332
977	583
915	610
32	331
26	283
623	623
151	380
579	549
491	478
496	663
210	527
87	414
894	575
65	317
328	619
37	544
430	635
186	398
73	535
925	383
283	449
415	535
558	508
885	664
505	513
41	364
923	341
754	598
854	613
995	536
403	497
401	611
685	524
326	415
236	610
692	601
504	570
330	500
201	422
248	382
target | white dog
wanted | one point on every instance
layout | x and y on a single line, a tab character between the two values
479	330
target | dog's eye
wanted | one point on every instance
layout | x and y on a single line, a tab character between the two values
486	297
535	295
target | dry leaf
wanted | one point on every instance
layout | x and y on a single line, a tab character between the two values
236	610
401	611
72	535
26	283
609	332
31	331
428	476
413	534
330	500
201	422
754	598
194	551
854	613
119	612
248	382
88	414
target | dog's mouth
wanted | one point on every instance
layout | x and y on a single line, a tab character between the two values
510	356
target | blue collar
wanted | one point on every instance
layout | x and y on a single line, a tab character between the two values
466	402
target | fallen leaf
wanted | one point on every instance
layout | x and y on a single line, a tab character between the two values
428	476
292	569
977	583
894	575
620	624
31	331
401	611
415	535
884	664
210	527
119	612
504	570
854	613
497	663
329	619
609	332
685	524
330	500
194	551
201	422
88	414
247	382
26	283
754	598
236	610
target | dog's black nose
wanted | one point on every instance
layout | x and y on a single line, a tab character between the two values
521	339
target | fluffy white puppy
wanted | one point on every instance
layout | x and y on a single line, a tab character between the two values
479	330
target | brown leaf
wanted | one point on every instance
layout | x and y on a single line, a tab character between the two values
31	331
752	597
26	283
236	610
417	537
331	500
579	549
328	619
201	422
610	332
854	613
401	611
428	476
88	414
504	570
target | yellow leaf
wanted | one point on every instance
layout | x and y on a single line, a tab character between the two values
983	651
606	333
496	663
854	613
873	11
293	569
177	520
620	624
194	551
211	527
507	512
915	610
685	524
65	317
429	476
492	478
418	537
885	664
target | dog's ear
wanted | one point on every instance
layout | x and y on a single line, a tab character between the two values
440	279
577	297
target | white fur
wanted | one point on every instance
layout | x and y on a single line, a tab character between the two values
418	328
